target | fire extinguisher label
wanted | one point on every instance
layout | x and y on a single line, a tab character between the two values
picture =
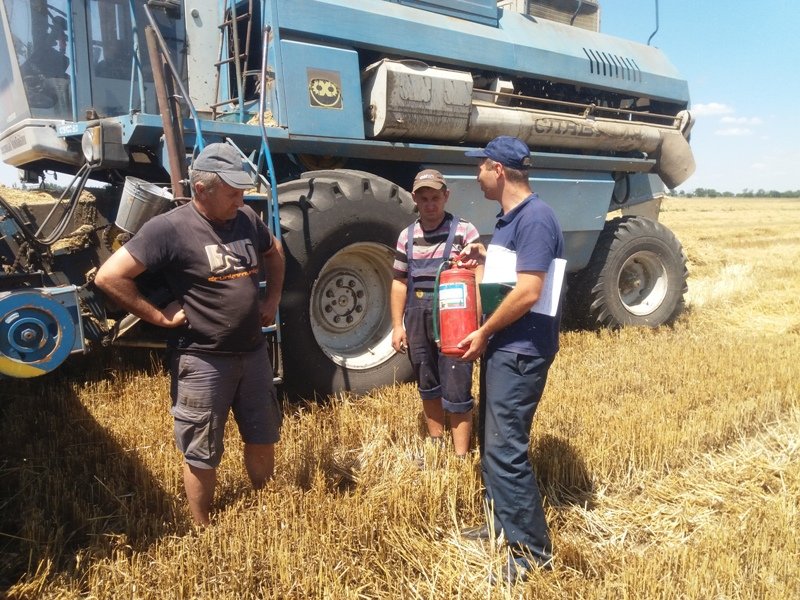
452	295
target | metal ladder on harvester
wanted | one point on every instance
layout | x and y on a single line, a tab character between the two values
233	55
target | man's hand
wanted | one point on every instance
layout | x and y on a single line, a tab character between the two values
115	278
397	306
399	341
475	344
472	256
173	315
275	269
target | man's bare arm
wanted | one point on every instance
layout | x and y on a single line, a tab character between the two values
397	306
116	279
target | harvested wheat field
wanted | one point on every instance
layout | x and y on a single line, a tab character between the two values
670	461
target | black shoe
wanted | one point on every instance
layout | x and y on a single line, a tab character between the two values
476	533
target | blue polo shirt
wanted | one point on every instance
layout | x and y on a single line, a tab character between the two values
532	232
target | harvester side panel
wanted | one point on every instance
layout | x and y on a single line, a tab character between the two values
519	45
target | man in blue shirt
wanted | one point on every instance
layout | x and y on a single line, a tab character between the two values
517	347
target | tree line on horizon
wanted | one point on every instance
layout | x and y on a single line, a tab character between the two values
745	193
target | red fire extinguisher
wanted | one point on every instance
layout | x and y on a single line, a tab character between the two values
455	313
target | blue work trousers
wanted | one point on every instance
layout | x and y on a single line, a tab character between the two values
511	387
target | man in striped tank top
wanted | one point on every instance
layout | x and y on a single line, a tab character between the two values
444	383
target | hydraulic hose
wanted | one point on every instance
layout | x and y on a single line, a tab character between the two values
652	35
435	311
55	234
81	176
265	151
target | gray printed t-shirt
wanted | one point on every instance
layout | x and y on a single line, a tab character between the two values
213	271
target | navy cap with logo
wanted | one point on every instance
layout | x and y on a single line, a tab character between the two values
226	162
507	150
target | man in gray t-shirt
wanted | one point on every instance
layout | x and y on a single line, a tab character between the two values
211	251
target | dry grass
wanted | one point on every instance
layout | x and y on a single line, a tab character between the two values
669	460
17	197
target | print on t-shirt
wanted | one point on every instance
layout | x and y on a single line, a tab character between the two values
232	260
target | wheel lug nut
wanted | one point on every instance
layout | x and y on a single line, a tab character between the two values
359	309
349	319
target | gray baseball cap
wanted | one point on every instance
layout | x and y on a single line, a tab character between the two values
226	162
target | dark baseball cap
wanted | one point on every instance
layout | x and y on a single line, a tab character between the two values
507	150
429	178
226	162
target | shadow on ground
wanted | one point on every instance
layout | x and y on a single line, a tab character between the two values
68	490
562	473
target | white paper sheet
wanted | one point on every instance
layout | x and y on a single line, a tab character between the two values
501	267
547	304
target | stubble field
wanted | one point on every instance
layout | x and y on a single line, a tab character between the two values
670	461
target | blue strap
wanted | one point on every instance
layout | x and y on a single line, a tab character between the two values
448	247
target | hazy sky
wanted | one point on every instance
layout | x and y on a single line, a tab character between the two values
740	61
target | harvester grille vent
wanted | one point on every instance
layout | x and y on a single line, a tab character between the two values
612	65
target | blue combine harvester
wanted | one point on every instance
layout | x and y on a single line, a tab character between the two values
336	104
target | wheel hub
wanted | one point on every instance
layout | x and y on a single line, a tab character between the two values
643	283
344	303
27	335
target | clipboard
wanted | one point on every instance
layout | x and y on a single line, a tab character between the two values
492	293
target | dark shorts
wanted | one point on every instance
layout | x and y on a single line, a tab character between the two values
437	375
206	387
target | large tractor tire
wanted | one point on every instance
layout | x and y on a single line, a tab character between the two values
636	276
339	229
